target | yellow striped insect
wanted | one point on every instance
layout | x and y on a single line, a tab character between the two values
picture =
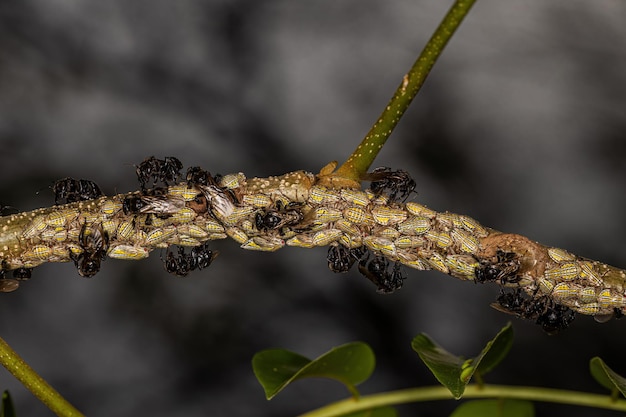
111	207
465	241
257	200
157	236
441	239
355	215
347	227
587	294
327	215
126	230
237	235
382	245
351	241
37	253
563	291
473	226
192	230
35	227
588	309
408	242
607	299
415	226
462	266
129	252
263	244
420	210
325	237
212	226
388	233
183	191
59	218
388	216
565	272
321	195
588	273
560	255
356	197
437	262
302	241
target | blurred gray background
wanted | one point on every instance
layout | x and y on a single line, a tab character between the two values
521	125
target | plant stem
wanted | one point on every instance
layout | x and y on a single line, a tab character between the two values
369	402
361	159
36	384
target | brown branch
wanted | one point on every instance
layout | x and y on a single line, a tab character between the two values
294	210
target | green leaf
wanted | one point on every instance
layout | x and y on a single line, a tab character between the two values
606	376
7	409
495	408
445	366
376	412
455	373
349	364
495	350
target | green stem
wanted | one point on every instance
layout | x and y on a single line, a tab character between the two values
363	156
36	384
369	402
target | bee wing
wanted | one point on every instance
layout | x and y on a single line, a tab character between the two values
502	309
162	204
219	201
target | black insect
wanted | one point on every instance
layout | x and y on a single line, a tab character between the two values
147	170
555	318
377	271
95	243
22	273
543	310
132	204
398	184
170	170
504	270
198	176
201	256
182	263
340	259
283	216
164	170
178	265
70	190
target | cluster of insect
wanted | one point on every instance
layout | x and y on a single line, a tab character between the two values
160	173
154	175
540	308
397	186
162	213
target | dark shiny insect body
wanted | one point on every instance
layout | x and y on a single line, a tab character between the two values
170	170
543	311
22	273
95	243
201	256
340	259
132	204
504	270
198	176
376	270
70	190
164	170
398	184
182	263
281	217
